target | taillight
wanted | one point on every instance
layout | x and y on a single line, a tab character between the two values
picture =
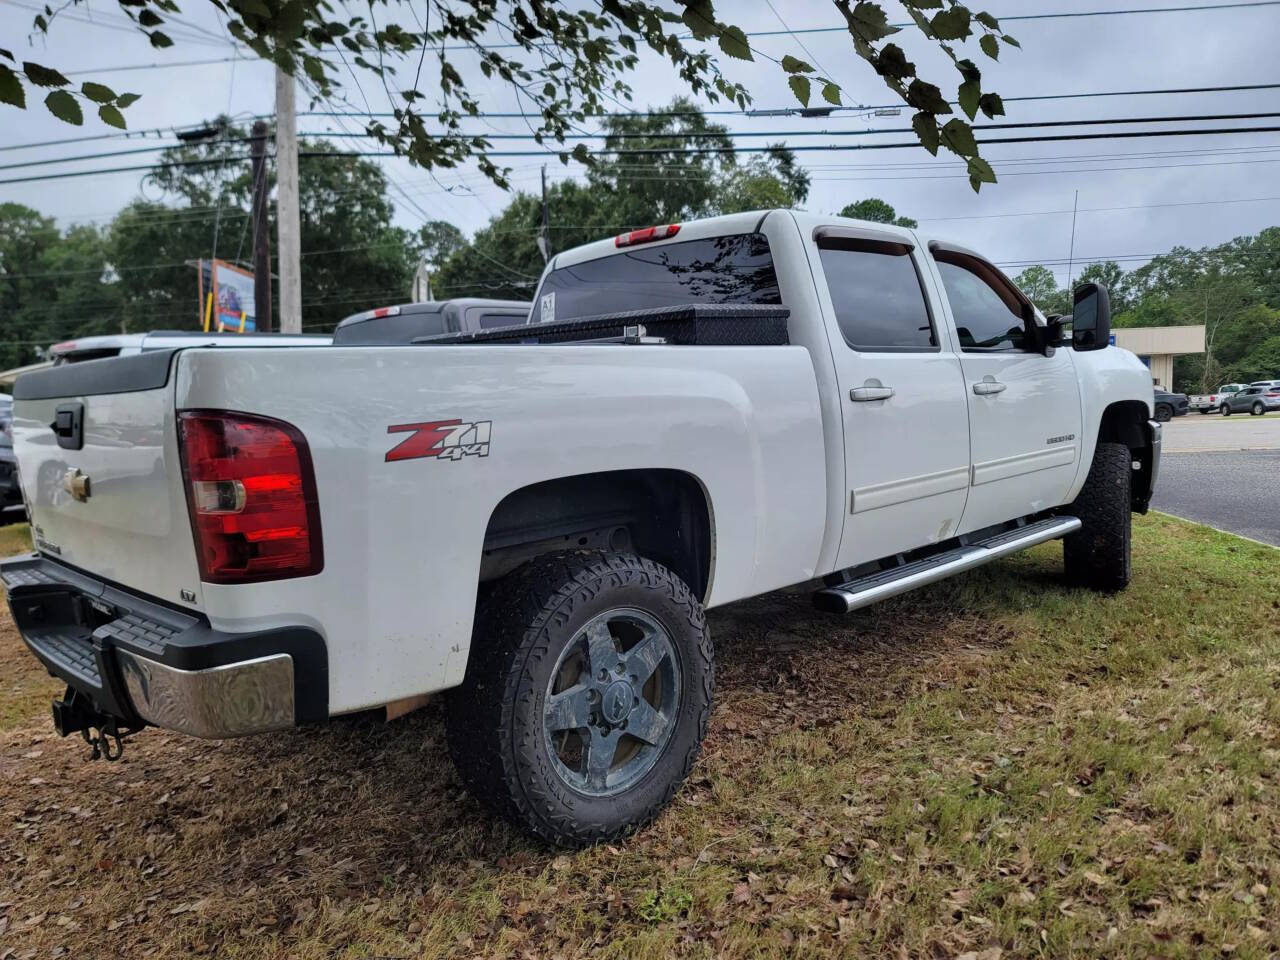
646	235
1212	398
251	492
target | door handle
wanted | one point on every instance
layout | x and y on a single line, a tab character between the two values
870	392
987	386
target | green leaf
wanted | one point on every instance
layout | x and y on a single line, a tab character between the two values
991	105
734	42
11	91
867	21
7	55
254	7
1010	41
987	20
926	130
97	92
65	107
700	18
290	20
314	69
892	62
793	65
957	136
989	46
160	40
969	98
831	93
951	24
925	96
111	115
149	18
980	172
800	87
43	76
127	99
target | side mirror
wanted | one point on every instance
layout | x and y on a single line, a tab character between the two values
1091	317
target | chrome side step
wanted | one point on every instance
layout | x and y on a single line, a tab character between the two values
882	584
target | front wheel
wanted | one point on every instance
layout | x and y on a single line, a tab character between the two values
1258	410
1164	413
1098	554
1226	411
587	695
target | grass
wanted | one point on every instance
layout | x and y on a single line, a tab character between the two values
995	764
15	538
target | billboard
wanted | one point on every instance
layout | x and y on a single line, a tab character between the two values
226	298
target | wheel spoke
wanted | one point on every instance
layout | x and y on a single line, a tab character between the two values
600	750
644	657
602	650
569	710
646	723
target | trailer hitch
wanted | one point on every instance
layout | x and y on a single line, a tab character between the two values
75	713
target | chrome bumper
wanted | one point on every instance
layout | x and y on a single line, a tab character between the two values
233	700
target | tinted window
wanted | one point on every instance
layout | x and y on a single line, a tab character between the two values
737	269
877	297
488	320
986	318
387	330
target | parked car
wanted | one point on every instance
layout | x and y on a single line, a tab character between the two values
403	323
1212	402
1170	405
130	344
1253	399
536	519
1272	384
10	491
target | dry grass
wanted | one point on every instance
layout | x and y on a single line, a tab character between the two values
998	763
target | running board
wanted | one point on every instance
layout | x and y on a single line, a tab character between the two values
882	584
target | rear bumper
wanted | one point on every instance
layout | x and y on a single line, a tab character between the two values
145	663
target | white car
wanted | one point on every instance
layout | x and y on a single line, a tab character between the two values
535	519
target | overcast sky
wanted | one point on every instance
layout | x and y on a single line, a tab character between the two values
1025	217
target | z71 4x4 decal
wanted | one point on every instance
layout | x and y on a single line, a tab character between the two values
443	439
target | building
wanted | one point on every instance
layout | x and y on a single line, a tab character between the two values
1157	346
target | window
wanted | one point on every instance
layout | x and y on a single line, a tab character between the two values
987	310
876	292
490	320
734	269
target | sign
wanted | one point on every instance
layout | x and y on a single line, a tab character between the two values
226	298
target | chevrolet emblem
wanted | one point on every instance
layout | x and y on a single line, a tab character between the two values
76	484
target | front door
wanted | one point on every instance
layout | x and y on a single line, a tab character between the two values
1024	407
906	429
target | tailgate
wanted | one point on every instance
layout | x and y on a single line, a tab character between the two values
104	489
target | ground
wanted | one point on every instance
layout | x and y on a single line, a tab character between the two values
1200	433
1238	491
998	763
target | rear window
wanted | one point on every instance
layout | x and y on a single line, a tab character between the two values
734	269
877	296
491	320
390	330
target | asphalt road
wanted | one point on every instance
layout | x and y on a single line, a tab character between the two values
1234	491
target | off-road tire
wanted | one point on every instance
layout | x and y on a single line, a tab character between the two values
495	718
1098	554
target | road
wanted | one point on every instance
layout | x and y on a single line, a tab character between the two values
1223	471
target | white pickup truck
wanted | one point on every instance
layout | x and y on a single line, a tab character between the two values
535	518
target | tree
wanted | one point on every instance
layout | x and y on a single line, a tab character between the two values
763	183
26	237
1041	288
1112	276
877	211
568	64
438	240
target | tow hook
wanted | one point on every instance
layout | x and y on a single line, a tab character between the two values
75	713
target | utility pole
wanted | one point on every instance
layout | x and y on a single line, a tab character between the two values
544	230
261	235
288	226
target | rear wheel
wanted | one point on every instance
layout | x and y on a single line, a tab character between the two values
1164	412
1098	554
1226	410
1258	410
587	695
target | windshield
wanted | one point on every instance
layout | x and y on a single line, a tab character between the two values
733	269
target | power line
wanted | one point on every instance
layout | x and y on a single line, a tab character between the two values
155	66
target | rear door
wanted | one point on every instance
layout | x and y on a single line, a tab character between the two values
906	430
1024	407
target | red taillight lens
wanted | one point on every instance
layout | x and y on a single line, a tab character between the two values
252	496
647	235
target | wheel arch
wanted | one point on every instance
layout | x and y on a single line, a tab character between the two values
1125	421
663	514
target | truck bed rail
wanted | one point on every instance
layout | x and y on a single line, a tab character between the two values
702	324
